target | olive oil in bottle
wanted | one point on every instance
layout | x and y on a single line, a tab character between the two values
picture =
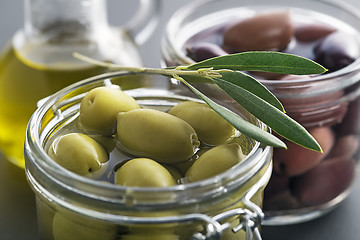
39	59
23	83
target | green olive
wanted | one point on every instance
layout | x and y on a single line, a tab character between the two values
244	142
184	166
80	154
108	142
211	128
215	161
69	226
143	172
174	171
100	106
45	211
156	135
151	236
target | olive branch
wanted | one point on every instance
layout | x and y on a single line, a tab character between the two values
227	73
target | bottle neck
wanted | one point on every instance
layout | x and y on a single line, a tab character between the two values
64	20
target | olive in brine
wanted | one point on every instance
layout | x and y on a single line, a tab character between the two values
71	225
312	32
151	236
143	172
174	171
100	106
211	128
156	135
80	154
202	51
324	182
337	50
265	31
215	161
296	160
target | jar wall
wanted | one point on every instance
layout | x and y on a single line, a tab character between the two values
311	182
304	184
68	204
56	222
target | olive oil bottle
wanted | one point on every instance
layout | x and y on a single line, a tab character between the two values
22	84
39	60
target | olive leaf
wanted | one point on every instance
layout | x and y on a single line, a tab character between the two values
275	62
242	80
252	85
244	89
271	116
239	123
255	97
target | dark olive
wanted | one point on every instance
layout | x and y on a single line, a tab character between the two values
202	51
337	51
265	31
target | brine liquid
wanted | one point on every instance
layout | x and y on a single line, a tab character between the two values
22	84
162	101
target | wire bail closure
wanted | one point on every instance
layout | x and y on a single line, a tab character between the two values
250	217
249	220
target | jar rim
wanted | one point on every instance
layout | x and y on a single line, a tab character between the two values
181	14
37	156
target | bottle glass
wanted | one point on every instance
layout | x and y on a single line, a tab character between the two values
38	60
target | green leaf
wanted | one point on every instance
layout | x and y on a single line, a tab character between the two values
252	85
239	123
197	79
243	89
262	61
273	117
245	81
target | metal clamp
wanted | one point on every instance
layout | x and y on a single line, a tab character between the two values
250	217
249	221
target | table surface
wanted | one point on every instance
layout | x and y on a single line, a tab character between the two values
17	205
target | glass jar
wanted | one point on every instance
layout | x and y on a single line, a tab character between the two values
304	184
227	206
38	61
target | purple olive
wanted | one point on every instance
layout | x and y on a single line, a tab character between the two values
345	147
264	31
337	51
351	123
296	160
281	201
312	32
202	51
277	184
324	182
